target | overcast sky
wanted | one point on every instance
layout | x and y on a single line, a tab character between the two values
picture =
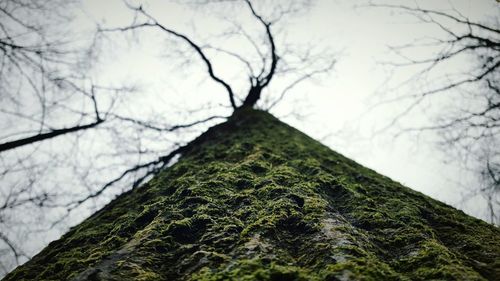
337	109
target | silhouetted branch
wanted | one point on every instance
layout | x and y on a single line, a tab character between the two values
155	166
418	10
261	81
12	247
301	79
48	135
186	39
150	125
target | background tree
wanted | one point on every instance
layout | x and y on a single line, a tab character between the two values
458	88
55	162
37	82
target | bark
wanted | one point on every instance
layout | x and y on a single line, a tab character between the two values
254	199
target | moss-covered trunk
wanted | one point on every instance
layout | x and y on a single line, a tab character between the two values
254	199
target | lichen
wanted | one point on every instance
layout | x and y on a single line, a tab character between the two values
254	199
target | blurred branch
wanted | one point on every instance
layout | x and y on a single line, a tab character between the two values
470	122
301	79
152	167
48	135
151	126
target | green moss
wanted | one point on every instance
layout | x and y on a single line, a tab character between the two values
361	269
254	269
254	199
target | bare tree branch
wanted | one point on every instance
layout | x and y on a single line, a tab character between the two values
470	125
186	39
261	81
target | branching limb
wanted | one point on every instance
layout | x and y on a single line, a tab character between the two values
299	80
467	126
159	128
152	168
15	251
263	79
197	48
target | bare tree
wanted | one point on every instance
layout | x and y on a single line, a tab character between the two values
35	64
71	143
461	77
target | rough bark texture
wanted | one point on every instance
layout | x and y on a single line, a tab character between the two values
254	199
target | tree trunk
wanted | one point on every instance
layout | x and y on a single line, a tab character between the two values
254	199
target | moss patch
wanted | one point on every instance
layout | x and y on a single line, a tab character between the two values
254	199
